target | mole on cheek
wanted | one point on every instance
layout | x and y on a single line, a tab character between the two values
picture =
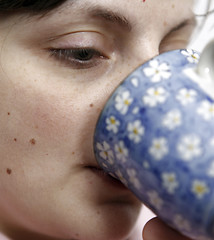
33	141
9	171
8	113
91	105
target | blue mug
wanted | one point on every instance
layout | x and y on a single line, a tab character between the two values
156	135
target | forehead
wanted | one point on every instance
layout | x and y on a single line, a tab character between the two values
128	6
125	12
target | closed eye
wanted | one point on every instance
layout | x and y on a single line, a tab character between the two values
79	58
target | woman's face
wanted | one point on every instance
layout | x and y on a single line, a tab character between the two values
56	73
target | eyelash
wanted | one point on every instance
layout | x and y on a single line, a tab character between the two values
79	58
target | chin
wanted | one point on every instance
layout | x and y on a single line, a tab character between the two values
117	221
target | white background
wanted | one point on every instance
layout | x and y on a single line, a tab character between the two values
200	39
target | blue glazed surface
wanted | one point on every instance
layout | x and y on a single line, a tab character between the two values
156	134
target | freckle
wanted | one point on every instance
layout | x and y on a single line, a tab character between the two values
77	235
33	141
73	153
173	5
36	127
165	23
98	212
90	182
15	139
9	171
91	105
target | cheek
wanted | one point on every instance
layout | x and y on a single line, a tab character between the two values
56	117
52	117
63	117
52	113
45	132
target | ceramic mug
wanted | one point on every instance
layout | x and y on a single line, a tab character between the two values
156	135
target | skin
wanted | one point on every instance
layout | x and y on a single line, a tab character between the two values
49	107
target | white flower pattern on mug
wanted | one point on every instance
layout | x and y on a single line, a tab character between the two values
120	176
191	55
172	119
112	124
123	101
170	182
206	110
199	188
135	82
155	200
121	151
189	147
136	131
154	96
133	178
157	71
186	96
136	110
159	148
105	152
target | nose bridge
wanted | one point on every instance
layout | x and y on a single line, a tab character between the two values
145	52
114	77
140	54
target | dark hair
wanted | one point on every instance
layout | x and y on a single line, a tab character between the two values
29	5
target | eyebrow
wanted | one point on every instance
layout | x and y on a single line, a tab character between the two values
98	12
116	18
111	17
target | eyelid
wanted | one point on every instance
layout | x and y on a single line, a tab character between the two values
66	48
82	40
